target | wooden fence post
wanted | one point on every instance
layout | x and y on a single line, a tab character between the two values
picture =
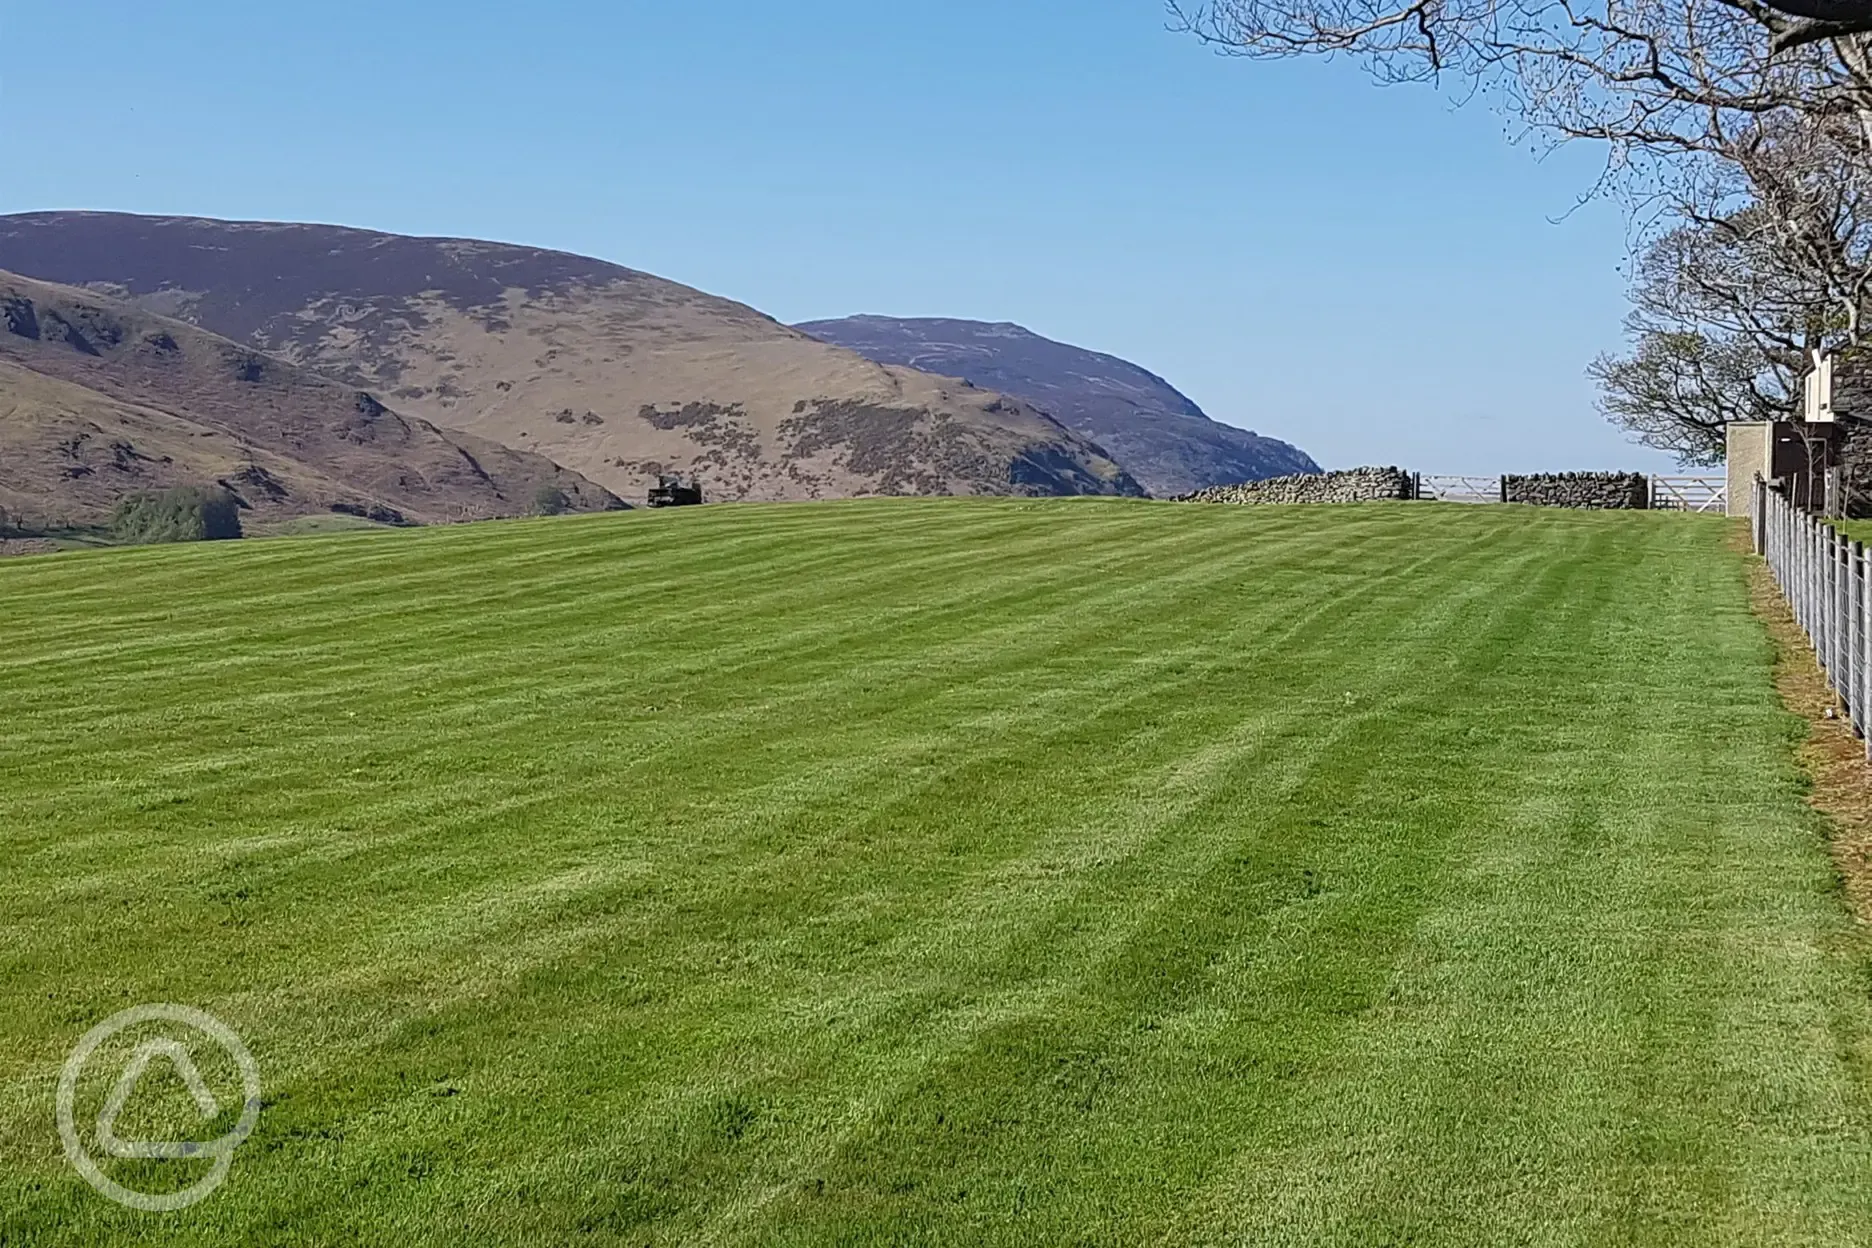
1757	522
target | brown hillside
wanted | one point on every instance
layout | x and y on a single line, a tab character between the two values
613	372
67	454
99	398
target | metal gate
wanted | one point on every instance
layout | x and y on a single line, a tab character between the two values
1690	494
1443	489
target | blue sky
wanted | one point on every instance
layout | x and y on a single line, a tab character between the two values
1370	273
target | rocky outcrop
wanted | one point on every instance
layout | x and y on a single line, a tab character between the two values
1614	491
1351	485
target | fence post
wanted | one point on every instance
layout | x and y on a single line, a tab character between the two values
1865	649
1778	536
1842	618
1774	537
1843	600
1824	601
1756	531
1849	632
1791	554
1797	525
1832	609
1819	596
1806	575
1780	540
1803	560
1811	558
1858	708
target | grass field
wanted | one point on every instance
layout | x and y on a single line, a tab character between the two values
939	872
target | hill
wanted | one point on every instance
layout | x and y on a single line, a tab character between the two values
614	373
1161	436
99	398
1103	873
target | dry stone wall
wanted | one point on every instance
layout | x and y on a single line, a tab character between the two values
1352	485
1598	490
1617	491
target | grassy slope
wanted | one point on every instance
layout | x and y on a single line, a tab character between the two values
942	872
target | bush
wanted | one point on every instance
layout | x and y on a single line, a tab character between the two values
375	512
188	513
550	500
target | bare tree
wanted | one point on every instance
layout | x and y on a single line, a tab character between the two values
1678	390
1739	133
1679	91
1671	53
1729	310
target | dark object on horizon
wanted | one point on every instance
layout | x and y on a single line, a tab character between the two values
669	491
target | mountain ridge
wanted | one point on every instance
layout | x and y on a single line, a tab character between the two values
1157	432
99	398
614	373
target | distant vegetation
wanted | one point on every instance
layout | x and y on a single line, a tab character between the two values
187	513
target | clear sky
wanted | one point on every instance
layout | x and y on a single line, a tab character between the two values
1370	273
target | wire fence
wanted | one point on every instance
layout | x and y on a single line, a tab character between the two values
1825	577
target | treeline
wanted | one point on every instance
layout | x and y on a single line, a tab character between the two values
185	513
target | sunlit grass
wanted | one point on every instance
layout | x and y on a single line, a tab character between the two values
940	872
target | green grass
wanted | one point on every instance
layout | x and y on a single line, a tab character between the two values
1856	530
306	526
940	872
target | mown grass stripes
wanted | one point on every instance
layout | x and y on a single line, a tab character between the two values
942	872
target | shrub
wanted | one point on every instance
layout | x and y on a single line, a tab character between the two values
376	512
550	500
187	513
